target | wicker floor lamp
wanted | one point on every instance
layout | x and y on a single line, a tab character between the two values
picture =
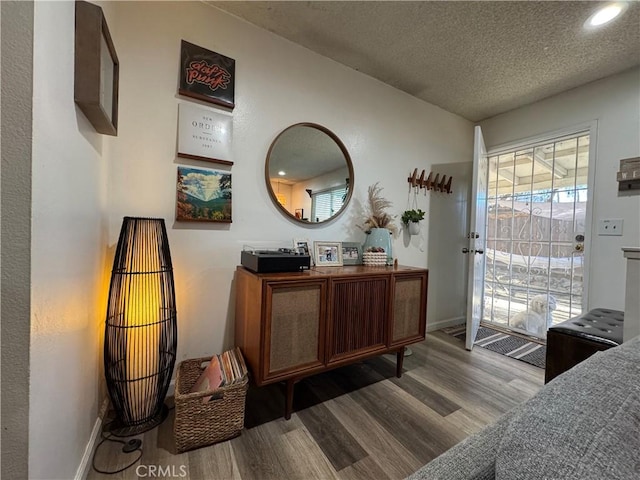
140	332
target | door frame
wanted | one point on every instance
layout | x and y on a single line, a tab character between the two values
592	128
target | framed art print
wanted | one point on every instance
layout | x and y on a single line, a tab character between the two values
203	195
327	254
204	134
206	75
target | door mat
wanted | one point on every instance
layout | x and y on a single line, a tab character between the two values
512	346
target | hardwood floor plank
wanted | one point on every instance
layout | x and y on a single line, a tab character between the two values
419	434
426	395
462	377
391	455
455	374
365	469
492	362
527	388
307	458
460	386
459	360
461	422
335	441
159	451
257	452
466	421
217	461
467	399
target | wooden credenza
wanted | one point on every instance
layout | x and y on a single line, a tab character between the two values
293	325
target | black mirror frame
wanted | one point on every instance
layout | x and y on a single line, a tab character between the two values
347	158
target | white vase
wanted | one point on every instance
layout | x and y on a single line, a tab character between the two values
414	228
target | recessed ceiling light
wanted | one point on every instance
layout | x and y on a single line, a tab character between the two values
282	173
605	15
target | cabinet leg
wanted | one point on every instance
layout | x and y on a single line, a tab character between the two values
399	362
288	407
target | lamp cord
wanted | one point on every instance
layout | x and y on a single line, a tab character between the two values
111	439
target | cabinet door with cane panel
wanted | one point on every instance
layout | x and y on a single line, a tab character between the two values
408	309
294	327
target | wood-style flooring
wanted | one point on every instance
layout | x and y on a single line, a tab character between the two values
356	422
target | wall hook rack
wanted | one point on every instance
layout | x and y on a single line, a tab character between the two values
438	184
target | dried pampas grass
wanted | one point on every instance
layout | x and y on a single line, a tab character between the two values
377	217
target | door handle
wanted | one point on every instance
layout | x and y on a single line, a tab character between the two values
479	252
465	250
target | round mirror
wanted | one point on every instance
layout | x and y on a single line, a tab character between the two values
309	173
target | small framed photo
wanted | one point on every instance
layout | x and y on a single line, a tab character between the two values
303	245
328	254
351	253
299	212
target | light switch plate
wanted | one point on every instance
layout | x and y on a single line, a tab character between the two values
610	226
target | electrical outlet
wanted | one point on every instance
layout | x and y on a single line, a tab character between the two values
610	226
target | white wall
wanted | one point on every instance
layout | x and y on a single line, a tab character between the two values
386	132
69	249
615	103
448	266
17	93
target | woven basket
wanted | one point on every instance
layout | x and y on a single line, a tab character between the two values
198	424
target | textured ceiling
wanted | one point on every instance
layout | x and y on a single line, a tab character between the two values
476	59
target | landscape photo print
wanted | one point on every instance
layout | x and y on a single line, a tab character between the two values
203	195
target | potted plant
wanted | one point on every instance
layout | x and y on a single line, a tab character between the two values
378	224
411	218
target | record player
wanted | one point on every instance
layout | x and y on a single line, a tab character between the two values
275	260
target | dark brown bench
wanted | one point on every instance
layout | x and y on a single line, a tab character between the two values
575	340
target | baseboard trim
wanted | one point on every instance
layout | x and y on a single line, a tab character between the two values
85	463
449	322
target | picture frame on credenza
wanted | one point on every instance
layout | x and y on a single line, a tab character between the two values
304	246
351	253
328	254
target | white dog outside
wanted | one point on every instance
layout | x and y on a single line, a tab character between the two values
538	318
